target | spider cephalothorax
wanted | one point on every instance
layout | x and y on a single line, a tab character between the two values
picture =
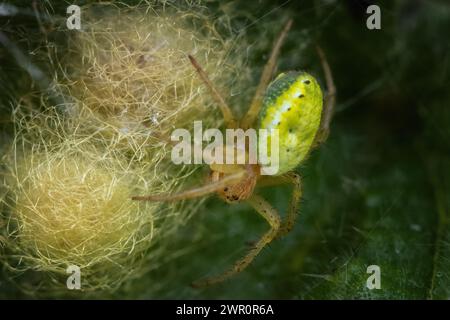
240	190
293	104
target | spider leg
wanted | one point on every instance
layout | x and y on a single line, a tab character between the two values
291	216
273	218
255	106
330	100
196	192
228	117
291	178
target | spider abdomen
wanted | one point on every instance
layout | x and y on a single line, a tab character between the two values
293	104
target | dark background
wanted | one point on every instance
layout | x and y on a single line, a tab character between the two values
378	191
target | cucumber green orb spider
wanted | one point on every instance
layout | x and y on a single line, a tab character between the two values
292	103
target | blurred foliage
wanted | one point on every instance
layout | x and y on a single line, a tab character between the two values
377	192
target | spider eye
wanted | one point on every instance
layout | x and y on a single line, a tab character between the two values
307	81
300	96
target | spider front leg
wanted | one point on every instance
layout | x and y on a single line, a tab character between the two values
330	100
273	218
292	213
195	192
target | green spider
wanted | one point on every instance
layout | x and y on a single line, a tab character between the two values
293	103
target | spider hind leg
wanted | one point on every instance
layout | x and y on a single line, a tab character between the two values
330	100
228	116
266	75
